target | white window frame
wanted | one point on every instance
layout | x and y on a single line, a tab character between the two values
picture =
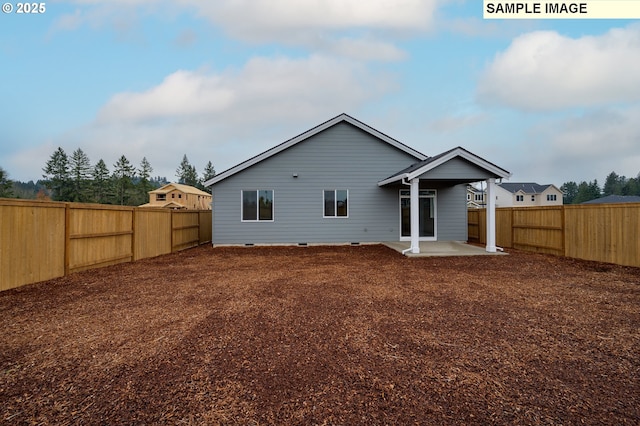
257	219
335	206
519	198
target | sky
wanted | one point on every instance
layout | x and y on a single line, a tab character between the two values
550	101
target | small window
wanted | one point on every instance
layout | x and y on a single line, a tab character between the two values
173	195
161	197
257	205
533	198
479	197
519	197
551	197
179	195
336	203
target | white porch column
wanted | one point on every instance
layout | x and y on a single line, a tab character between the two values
491	215
415	215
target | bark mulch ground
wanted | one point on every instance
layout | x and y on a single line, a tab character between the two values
325	335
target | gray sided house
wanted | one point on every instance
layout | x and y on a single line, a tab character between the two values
345	182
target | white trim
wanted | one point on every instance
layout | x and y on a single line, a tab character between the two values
434	205
287	144
258	220
456	152
491	216
335	206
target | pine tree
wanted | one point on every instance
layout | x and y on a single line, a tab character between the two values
208	173
569	192
6	185
80	166
57	176
613	184
101	183
144	185
123	175
186	173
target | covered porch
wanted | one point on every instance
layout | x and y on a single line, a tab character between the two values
452	168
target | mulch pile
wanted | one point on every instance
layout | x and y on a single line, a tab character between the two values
325	335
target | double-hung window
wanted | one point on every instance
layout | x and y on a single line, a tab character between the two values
336	203
257	206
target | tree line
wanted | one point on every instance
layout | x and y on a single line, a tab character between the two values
614	184
73	178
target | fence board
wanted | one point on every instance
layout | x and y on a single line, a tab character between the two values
185	229
99	235
45	240
604	232
151	237
601	232
32	242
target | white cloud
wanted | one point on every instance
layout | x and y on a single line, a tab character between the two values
226	117
582	147
262	89
258	20
349	28
544	70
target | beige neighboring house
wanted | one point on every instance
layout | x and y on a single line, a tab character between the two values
475	198
178	196
527	194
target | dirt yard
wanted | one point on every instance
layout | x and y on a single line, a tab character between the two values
325	335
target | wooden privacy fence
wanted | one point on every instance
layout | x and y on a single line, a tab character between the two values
45	240
601	232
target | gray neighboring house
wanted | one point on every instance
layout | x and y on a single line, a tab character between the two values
614	199
345	182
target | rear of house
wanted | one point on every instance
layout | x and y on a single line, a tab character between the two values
339	183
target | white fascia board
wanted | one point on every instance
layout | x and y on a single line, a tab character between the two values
393	179
459	152
287	144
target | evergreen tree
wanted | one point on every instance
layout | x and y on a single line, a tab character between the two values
186	173
613	184
80	166
144	185
101	183
569	190
57	176
6	185
123	175
632	186
208	173
587	191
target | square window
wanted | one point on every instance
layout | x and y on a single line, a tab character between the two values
336	203
257	206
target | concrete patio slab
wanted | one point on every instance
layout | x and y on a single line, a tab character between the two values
441	248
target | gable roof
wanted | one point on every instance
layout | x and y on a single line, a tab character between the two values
615	199
187	189
342	118
431	163
525	187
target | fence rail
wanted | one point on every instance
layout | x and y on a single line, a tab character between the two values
45	240
601	232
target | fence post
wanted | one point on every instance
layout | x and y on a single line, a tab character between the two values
133	234
564	231
171	228
67	237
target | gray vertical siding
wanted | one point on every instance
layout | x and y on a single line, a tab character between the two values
341	157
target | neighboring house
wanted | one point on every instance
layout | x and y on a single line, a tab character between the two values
475	198
178	196
345	182
527	194
614	199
